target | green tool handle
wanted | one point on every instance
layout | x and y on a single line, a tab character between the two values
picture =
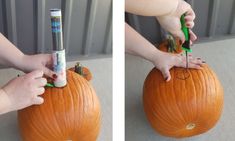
185	30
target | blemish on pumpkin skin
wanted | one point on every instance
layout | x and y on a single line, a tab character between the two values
190	126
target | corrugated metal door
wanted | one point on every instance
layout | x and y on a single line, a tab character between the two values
87	25
215	19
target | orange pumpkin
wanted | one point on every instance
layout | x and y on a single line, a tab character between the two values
183	108
68	113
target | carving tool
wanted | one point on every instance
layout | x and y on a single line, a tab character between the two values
186	44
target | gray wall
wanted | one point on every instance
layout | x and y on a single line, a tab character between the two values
215	19
87	25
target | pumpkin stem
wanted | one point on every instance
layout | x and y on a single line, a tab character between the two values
171	47
79	68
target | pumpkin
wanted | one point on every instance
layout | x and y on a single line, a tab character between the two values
183	108
68	113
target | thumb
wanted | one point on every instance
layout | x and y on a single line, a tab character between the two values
48	72
35	74
38	100
166	74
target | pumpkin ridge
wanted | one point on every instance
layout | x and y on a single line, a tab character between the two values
162	93
42	136
202	82
204	98
83	109
84	102
204	101
184	92
211	88
159	116
200	85
172	106
43	115
162	96
54	111
209	97
215	88
66	104
175	95
194	95
32	125
78	90
72	120
80	95
181	119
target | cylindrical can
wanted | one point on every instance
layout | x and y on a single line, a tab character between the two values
58	54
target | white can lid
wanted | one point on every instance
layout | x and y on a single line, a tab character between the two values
55	12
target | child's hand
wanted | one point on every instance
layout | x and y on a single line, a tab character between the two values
165	61
171	22
34	62
24	91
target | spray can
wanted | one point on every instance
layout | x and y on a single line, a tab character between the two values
58	54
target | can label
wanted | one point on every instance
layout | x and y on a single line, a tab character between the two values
57	38
59	66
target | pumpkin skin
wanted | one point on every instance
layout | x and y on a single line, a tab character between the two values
183	108
68	113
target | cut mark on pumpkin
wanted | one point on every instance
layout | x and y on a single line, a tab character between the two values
190	126
183	75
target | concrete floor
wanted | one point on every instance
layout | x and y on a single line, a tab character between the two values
220	55
102	81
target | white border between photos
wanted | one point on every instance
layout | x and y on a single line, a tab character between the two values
118	71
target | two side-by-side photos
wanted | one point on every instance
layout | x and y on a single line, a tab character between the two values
57	68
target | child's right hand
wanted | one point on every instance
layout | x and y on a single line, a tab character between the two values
171	21
24	91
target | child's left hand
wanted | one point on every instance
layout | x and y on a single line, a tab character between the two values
37	62
165	61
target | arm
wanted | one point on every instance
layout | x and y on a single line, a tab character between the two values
11	56
4	102
167	12
151	7
137	45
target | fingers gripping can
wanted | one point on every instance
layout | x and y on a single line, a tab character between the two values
58	54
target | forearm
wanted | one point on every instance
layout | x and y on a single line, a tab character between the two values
136	44
4	102
151	7
10	55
